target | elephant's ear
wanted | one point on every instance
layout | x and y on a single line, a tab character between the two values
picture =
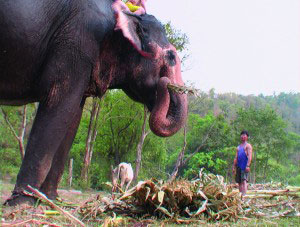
129	25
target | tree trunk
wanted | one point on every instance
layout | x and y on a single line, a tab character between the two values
179	159
94	135
20	137
89	140
140	146
22	132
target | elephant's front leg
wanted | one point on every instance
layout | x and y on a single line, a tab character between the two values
50	185
63	81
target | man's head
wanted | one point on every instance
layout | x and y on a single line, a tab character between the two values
244	136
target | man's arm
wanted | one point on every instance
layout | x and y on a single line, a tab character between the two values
249	155
235	161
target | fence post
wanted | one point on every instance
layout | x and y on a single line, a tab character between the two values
70	172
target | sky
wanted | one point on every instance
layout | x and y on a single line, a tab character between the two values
248	47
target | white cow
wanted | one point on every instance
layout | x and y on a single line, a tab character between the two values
123	172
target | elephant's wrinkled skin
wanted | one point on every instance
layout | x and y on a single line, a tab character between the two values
58	52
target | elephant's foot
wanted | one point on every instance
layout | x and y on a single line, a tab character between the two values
50	192
19	199
51	195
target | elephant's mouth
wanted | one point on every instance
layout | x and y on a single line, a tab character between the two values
150	103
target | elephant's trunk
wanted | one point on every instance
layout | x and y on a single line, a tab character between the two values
170	110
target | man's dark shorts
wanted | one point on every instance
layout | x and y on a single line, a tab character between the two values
241	175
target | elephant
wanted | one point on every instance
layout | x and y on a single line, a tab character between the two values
58	53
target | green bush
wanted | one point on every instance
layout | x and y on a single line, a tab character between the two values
10	163
295	181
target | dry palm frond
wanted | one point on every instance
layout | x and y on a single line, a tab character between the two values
183	89
69	216
209	199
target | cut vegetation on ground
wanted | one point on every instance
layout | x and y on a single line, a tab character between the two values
207	200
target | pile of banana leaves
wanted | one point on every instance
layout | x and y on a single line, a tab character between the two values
207	198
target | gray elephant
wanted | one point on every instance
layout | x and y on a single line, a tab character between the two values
58	52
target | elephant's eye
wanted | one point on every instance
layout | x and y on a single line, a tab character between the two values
171	58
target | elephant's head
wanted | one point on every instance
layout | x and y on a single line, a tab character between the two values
147	63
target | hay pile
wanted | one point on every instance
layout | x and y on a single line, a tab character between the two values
207	199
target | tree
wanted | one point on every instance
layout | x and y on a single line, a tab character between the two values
140	145
180	159
204	136
90	139
19	122
178	39
15	125
216	134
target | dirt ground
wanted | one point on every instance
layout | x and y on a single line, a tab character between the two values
5	191
72	195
